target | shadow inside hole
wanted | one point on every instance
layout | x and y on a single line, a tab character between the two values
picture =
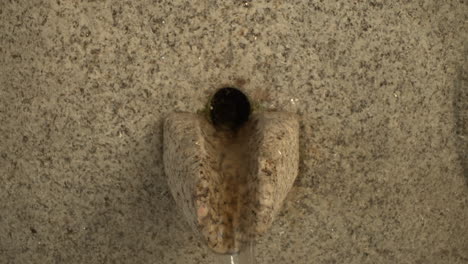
229	109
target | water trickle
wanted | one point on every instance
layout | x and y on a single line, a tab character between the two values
245	256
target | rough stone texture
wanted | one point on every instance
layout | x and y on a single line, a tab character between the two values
231	185
381	88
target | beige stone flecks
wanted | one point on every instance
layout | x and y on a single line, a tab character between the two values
380	88
229	185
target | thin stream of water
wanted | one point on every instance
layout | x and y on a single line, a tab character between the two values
245	256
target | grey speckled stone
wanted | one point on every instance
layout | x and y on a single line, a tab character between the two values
381	88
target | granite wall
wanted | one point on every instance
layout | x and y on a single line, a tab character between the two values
381	88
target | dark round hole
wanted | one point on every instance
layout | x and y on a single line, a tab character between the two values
229	108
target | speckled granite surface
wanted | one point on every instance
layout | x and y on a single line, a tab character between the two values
381	88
